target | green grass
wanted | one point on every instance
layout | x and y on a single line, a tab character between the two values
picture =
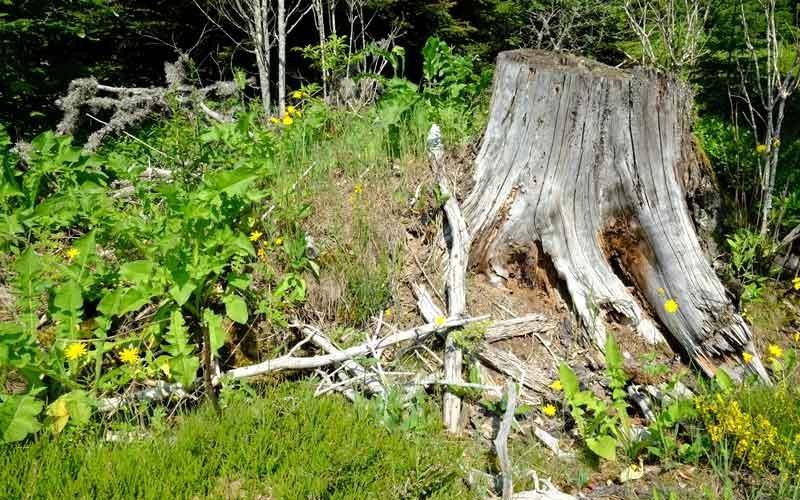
283	444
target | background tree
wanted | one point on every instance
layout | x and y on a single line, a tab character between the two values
774	79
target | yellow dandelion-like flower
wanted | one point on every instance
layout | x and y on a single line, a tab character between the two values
74	351
129	356
439	321
796	283
358	188
297	94
775	351
761	149
747	357
776	142
387	314
261	254
287	120
556	385
72	253
256	235
291	110
671	306
549	410
274	120
278	241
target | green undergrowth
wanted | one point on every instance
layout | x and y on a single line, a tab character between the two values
284	443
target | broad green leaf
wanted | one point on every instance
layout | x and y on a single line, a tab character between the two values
87	247
68	296
122	301
239	281
233	182
603	446
568	380
18	417
177	337
723	380
181	293
236	308
183	369
216	330
136	271
28	264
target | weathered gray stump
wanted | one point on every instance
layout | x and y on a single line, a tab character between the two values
591	163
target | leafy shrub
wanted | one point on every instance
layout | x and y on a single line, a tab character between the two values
602	426
96	242
750	263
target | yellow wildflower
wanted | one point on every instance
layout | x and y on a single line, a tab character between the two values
72	253
278	241
274	120
775	351
129	356
776	142
297	94
439	321
797	336
261	254
761	149
75	351
287	120
291	110
671	306
256	235
747	357
796	283
358	188
387	314
556	385
549	410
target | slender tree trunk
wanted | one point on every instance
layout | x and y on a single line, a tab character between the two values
319	17
262	49
591	164
281	57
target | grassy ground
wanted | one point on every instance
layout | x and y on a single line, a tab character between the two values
284	443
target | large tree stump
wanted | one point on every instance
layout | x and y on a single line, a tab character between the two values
589	163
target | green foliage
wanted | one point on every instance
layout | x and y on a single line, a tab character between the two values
452	91
470	336
751	262
18	417
283	444
187	248
602	426
398	415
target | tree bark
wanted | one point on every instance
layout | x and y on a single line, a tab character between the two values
281	57
262	49
590	162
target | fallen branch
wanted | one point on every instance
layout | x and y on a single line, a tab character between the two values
159	392
501	441
129	107
508	364
320	340
530	324
309	363
455	278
